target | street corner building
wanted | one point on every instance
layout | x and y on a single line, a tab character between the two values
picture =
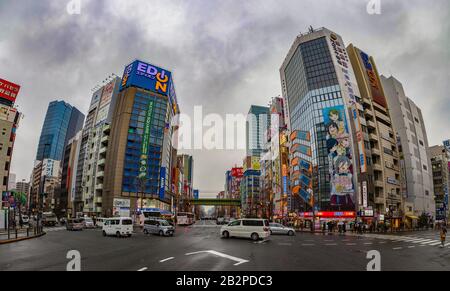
140	154
327	147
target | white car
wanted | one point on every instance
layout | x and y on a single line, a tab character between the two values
118	226
254	228
277	228
88	222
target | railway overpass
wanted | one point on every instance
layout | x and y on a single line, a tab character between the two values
216	202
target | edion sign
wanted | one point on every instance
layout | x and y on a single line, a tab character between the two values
8	90
146	76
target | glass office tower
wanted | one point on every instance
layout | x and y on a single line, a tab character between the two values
321	93
61	123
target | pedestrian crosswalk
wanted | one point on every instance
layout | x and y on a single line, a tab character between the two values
58	228
432	240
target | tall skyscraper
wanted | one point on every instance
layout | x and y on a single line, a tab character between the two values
381	193
61	123
9	122
94	147
256	129
327	151
140	152
417	182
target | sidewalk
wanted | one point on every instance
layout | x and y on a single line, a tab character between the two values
19	234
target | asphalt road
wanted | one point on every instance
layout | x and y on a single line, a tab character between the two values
200	248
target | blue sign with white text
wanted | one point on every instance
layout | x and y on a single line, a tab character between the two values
146	76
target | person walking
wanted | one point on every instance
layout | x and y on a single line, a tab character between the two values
443	235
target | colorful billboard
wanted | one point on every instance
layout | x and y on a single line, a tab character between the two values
162	180
148	77
339	157
237	172
8	90
372	78
196	194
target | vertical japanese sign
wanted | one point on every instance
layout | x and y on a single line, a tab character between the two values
145	141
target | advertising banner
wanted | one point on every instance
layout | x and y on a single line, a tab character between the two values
196	194
237	172
8	90
162	181
372	79
148	77
146	140
339	157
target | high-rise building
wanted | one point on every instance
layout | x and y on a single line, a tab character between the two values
68	203
416	172
23	187
256	129
250	187
62	122
233	179
182	179
94	147
45	185
140	151
440	157
327	151
381	192
9	122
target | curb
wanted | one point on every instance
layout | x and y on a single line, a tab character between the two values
21	239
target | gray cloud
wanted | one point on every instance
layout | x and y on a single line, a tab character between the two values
225	55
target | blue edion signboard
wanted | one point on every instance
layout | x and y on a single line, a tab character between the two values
147	76
162	187
196	194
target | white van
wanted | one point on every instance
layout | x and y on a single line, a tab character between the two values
254	228
99	221
118	226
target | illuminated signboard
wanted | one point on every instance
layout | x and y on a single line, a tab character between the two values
237	172
148	77
8	90
342	214
162	187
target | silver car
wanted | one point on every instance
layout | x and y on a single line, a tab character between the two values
158	226
277	228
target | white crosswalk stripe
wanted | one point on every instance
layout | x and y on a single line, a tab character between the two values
422	240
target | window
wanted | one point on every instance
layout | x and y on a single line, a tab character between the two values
235	223
425	167
252	222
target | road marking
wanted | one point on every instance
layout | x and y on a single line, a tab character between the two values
350	244
284	244
335	244
142	269
307	245
382	242
368	243
435	243
165	260
238	260
410	247
397	248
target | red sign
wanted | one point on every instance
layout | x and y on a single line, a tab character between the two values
336	214
8	90
237	172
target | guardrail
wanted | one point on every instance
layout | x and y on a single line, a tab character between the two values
12	234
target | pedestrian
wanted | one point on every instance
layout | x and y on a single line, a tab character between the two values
443	235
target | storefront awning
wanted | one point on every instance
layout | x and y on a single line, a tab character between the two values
412	217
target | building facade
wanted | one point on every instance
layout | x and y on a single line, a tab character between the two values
416	172
140	152
440	157
9	122
327	153
256	129
381	192
62	122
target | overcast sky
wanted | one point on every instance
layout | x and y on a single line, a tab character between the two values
225	55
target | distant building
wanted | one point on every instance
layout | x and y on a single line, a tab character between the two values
12	182
440	167
23	187
256	129
416	172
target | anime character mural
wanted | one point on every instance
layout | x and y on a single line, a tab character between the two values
339	158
